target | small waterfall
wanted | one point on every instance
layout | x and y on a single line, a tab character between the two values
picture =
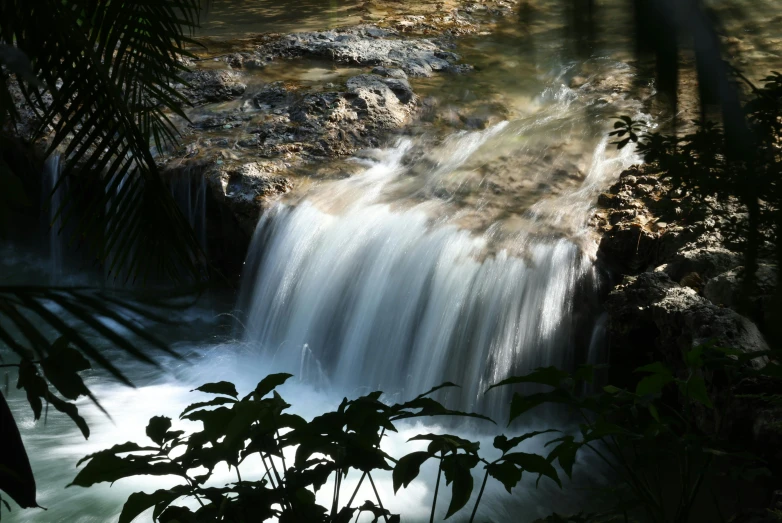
53	195
188	189
388	289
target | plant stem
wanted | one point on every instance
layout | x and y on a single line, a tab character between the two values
379	501
480	494
282	454
356	491
364	475
335	496
436	488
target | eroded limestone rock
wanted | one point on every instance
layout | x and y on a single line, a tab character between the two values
367	46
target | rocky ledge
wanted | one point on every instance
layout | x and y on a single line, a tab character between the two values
248	142
368	46
680	265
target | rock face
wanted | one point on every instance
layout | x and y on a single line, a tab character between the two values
368	45
286	127
208	86
332	123
666	319
246	189
682	282
725	290
645	227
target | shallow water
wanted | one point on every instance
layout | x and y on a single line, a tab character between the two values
238	18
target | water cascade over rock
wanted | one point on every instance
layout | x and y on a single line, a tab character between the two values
374	282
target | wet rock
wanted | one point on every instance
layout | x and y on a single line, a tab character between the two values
389	73
332	124
384	101
367	45
273	96
217	121
245	190
651	308
628	246
208	86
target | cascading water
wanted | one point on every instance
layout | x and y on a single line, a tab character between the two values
52	197
389	293
188	189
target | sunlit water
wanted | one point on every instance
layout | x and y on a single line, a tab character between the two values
451	255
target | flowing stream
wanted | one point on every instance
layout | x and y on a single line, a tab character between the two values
448	255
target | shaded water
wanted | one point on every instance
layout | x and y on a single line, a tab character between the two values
238	18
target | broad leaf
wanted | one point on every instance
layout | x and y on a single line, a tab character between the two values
458	470
504	444
506	473
695	389
211	403
108	467
551	376
61	368
271	382
535	464
221	387
407	468
138	502
653	384
157	429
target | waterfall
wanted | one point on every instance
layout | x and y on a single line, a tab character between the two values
188	188
393	293
52	197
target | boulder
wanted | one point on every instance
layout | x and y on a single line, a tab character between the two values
209	86
245	190
383	103
655	313
367	46
332	124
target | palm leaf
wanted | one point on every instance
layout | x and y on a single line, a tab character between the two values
111	67
79	315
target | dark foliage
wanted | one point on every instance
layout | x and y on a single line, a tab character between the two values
700	163
633	432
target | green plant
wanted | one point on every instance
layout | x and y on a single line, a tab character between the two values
649	437
652	437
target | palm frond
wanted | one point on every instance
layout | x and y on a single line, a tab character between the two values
111	67
32	317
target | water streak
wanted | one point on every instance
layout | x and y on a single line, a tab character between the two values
53	196
396	298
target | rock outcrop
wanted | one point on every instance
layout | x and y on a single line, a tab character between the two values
680	263
367	46
208	86
653	316
647	227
